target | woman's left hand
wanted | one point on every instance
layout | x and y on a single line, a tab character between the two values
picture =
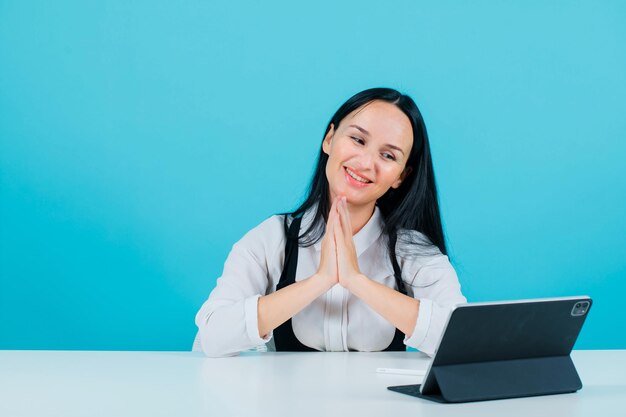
347	264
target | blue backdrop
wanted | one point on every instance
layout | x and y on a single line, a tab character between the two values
140	140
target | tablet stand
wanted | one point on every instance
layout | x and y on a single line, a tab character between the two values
494	380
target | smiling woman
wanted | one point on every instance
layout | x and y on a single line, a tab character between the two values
361	264
367	154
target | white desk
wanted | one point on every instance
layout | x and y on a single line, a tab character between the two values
117	384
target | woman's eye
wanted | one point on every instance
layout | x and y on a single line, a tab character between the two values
389	156
358	140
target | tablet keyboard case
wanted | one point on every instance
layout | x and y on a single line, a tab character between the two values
523	351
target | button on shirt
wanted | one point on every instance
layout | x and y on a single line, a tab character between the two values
337	320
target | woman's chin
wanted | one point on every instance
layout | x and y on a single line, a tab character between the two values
356	199
353	196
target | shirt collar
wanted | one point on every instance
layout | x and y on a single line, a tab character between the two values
363	239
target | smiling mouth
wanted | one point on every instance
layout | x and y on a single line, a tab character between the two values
356	177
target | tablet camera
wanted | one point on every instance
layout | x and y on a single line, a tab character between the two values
580	308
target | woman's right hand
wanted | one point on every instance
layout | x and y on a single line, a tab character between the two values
276	308
327	270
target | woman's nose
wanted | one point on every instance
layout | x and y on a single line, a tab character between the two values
366	161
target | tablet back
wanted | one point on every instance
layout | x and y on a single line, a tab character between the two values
481	332
507	349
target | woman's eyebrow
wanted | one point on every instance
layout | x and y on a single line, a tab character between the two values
389	145
365	132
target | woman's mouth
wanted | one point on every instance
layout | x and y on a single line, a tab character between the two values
355	179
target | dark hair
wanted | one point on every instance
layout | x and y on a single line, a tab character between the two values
413	206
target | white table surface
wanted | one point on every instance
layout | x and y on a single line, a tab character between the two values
117	384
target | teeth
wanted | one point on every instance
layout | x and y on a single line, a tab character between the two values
356	177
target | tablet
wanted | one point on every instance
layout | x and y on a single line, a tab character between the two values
505	349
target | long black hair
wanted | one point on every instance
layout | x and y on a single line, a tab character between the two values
413	206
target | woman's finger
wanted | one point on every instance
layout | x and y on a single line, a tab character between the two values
346	213
345	223
339	239
331	216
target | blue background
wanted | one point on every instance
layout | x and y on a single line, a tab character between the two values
139	140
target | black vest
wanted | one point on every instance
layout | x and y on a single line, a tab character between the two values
284	338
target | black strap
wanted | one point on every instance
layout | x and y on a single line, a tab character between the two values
397	273
397	344
284	338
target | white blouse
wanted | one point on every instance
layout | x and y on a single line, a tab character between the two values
337	320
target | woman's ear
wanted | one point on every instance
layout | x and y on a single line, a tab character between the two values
328	139
402	176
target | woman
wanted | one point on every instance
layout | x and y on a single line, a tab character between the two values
361	264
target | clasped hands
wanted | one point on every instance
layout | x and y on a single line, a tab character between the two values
338	260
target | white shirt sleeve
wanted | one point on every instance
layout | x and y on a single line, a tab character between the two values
228	320
437	287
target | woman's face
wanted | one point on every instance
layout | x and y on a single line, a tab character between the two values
367	152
